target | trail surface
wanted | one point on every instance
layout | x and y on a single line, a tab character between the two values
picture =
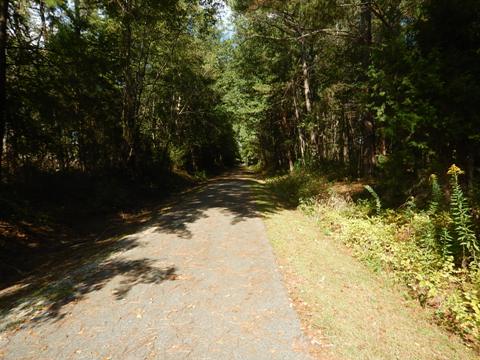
198	282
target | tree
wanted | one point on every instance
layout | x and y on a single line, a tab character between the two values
102	86
383	87
3	72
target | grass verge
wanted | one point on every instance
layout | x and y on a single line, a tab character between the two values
348	310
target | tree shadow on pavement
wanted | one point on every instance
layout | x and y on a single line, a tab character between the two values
41	298
239	196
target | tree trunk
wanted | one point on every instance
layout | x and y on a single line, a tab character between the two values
3	77
78	18
368	126
291	166
301	138
128	101
306	80
287	131
43	22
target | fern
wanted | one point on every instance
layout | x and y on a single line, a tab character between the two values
446	241
378	203
462	219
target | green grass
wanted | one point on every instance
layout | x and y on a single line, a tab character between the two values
349	311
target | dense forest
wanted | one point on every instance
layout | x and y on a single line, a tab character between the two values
104	104
379	88
136	91
101	86
382	88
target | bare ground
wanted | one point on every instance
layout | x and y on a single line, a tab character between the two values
198	281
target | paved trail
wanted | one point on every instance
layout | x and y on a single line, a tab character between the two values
198	282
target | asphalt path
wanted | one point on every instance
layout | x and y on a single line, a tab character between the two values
198	281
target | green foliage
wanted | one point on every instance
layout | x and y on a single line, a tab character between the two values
296	188
378	202
445	240
103	87
462	219
414	247
375	90
408	249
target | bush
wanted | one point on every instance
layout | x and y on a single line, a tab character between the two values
409	249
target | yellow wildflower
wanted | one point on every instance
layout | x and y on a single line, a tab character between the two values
455	170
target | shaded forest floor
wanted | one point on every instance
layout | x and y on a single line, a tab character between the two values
51	222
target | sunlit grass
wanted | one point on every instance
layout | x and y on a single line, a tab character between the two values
348	310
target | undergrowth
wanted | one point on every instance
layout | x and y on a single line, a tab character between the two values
432	251
291	189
